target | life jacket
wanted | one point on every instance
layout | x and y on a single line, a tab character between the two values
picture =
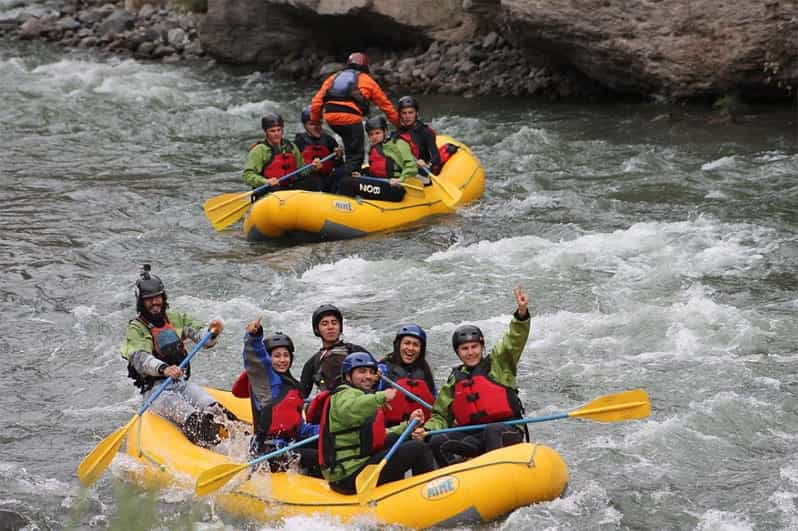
312	148
167	347
479	399
283	414
446	151
380	164
371	434
401	406
279	164
412	136
344	88
327	368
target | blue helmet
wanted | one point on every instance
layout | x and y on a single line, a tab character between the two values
305	116
411	330
355	360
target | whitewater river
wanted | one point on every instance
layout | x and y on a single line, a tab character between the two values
658	251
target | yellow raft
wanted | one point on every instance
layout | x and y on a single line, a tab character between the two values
320	216
478	490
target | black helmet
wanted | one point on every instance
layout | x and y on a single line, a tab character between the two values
305	116
376	122
271	120
278	339
407	101
148	286
323	310
466	333
411	330
355	360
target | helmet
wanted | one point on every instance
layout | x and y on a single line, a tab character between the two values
466	333
411	330
271	120
305	116
358	61
355	360
148	286
376	122
278	339
323	310
407	101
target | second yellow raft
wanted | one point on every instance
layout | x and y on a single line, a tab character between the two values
322	216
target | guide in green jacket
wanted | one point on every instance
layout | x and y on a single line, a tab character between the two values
353	432
482	390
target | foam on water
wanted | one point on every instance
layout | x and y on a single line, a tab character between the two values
721	163
717	520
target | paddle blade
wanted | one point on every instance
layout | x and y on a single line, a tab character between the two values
628	405
451	195
224	210
367	479
215	478
94	464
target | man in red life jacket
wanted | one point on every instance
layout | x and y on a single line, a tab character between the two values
154	349
273	158
343	102
418	135
482	390
353	432
315	143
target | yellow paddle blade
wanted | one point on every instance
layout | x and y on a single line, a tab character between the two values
224	210
94	464
366	480
215	478
628	405
451	195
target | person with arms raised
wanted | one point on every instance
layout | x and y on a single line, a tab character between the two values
154	349
277	404
353	433
481	390
343	102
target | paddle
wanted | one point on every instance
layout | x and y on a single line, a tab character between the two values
367	478
452	195
405	392
215	478
94	464
224	210
627	405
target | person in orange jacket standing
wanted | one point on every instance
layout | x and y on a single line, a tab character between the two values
343	102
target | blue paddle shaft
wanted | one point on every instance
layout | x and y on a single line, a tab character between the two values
287	175
400	440
182	365
405	392
527	420
282	450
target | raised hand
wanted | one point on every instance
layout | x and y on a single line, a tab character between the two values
521	300
254	327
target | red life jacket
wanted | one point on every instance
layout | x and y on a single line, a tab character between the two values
285	412
479	399
313	148
380	165
279	164
167	347
371	435
241	385
446	151
401	406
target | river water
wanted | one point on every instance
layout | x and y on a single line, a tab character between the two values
657	246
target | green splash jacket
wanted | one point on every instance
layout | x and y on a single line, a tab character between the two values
350	407
139	338
260	154
503	368
401	154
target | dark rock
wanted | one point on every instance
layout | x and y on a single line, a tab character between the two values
68	23
35	28
145	49
117	22
162	51
146	11
176	37
328	68
88	42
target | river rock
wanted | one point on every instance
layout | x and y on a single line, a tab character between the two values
34	28
117	22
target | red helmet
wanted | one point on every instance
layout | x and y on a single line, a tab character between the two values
358	60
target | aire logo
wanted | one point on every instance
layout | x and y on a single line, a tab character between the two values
370	188
440	488
343	205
